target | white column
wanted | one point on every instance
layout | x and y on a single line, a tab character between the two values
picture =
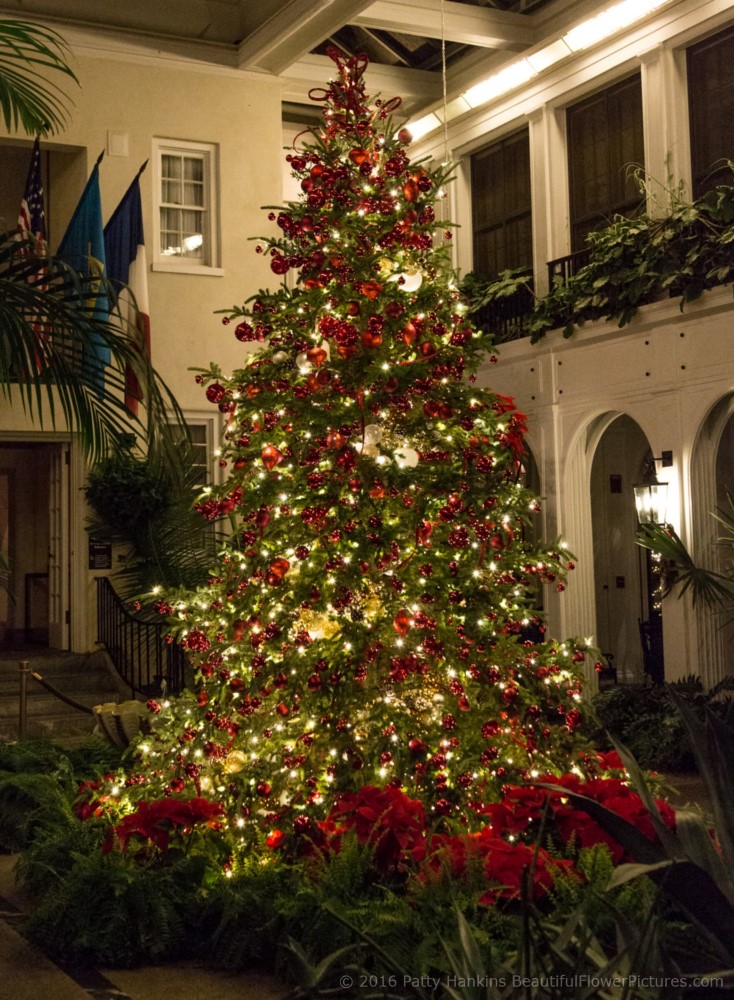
549	185
665	114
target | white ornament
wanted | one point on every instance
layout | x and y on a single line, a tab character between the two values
406	458
303	364
372	434
412	280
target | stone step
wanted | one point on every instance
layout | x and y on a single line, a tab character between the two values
67	682
45	703
88	679
55	727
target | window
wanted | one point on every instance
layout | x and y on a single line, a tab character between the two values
501	207
605	138
186	232
200	475
711	108
201	463
201	433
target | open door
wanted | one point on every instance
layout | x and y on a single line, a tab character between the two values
59	611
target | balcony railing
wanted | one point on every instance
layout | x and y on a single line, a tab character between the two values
144	658
566	267
502	317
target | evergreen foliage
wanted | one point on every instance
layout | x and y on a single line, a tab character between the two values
373	620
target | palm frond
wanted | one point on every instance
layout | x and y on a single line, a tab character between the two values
151	510
50	333
28	100
705	586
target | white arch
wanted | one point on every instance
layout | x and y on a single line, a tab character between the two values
702	531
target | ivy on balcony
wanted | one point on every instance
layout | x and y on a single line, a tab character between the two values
632	262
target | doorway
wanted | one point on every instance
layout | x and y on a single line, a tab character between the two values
34	538
620	567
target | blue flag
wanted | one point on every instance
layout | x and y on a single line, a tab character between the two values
82	247
127	271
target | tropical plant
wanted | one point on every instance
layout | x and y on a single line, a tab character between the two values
632	261
48	327
48	330
708	588
149	509
693	865
27	99
643	717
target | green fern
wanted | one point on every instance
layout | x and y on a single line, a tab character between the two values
111	911
26	801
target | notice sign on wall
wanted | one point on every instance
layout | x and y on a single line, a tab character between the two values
100	554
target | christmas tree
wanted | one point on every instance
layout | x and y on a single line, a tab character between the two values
373	619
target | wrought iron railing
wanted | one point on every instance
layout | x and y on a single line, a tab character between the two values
566	267
145	659
502	317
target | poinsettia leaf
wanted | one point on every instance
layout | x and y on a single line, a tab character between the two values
666	836
630	838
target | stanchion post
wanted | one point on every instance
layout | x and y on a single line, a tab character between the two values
23	714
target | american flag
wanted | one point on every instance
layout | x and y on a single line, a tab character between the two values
32	222
32	218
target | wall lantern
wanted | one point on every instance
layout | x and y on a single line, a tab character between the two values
651	500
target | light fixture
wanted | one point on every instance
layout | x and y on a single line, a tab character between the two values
651	501
608	22
548	56
594	29
423	125
508	78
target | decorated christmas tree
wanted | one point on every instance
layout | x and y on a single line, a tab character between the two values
373	620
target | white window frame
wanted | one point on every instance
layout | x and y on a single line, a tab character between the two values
207	152
212	428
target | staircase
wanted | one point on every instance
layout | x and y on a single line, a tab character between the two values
87	678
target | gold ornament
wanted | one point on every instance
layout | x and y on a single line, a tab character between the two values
234	762
319	624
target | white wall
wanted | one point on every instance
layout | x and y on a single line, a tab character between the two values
667	370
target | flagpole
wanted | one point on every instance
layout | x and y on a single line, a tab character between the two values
99	159
140	171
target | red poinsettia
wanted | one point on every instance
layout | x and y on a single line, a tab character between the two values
89	802
155	821
386	818
521	806
503	863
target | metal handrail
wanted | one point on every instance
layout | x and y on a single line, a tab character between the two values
563	268
502	317
143	654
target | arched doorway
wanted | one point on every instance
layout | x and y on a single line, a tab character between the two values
712	481
628	616
725	504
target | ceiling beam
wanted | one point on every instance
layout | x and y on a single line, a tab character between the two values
491	29
297	28
416	87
